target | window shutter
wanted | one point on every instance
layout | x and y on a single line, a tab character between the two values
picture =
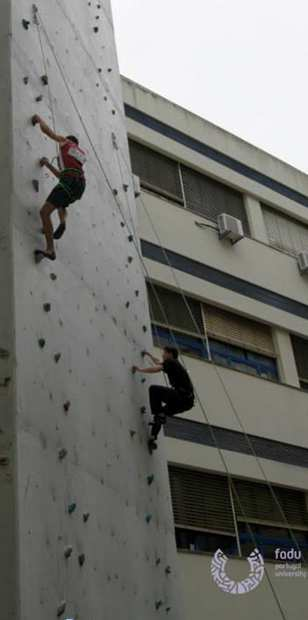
284	232
238	330
201	500
259	505
156	171
211	198
176	313
300	348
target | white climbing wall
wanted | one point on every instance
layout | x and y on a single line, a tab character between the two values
83	503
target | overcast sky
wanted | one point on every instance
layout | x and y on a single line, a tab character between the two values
241	64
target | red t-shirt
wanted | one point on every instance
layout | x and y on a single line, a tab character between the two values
71	156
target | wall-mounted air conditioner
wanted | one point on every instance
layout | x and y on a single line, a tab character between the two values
302	261
230	228
137	186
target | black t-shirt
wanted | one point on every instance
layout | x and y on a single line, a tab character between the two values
178	377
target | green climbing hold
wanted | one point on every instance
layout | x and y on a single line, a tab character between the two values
41	343
150	479
148	518
57	357
71	508
47	307
158	605
62	454
61	609
68	551
168	570
86	516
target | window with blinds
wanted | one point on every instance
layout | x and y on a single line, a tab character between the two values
169	308
211	198
255	503
204	518
300	349
285	233
201	500
238	330
156	171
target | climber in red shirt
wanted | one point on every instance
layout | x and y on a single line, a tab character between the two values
70	187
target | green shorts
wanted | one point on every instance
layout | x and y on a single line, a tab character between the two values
70	188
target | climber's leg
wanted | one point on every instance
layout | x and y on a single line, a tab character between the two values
62	226
45	214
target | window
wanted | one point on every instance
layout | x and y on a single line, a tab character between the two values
192	189
204	519
202	511
285	233
225	331
157	172
210	198
300	349
255	504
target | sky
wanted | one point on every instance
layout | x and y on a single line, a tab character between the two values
241	64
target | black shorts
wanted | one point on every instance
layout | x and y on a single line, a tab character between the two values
69	189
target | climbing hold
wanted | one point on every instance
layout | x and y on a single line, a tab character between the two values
125	187
39	98
71	508
62	454
115	192
53	276
127	304
36	185
113	112
4	354
25	24
57	357
44	79
26	80
130	259
148	518
66	406
158	561
47	307
144	327
168	609
158	604
81	559
114	141
99	70
68	551
35	12
168	570
150	479
109	70
95	28
143	380
143	410
4	461
41	343
130	238
137	293
61	609
132	433
86	516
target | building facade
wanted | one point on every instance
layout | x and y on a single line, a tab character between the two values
239	315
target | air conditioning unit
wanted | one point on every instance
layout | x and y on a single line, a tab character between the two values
302	261
230	228
137	186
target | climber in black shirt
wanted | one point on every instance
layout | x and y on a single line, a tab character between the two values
168	401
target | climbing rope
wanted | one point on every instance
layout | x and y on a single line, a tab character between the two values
228	473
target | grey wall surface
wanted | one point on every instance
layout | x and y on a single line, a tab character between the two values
74	390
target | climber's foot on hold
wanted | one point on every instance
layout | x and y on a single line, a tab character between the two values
39	255
60	231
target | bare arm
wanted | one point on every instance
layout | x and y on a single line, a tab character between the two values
36	119
155	360
148	371
44	162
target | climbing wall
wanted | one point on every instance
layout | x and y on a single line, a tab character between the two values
92	523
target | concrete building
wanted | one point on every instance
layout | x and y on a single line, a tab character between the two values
86	528
239	314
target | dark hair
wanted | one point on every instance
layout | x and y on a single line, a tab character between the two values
73	139
173	351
